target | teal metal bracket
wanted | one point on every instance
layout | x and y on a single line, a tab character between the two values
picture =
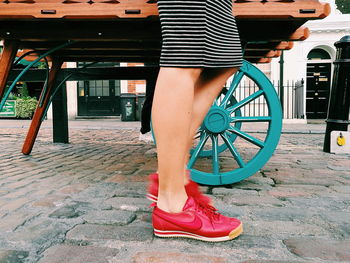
46	68
69	42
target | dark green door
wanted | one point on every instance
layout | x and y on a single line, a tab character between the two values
99	98
318	88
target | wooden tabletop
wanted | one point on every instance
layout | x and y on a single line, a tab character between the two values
129	30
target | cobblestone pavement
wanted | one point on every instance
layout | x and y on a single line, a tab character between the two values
84	202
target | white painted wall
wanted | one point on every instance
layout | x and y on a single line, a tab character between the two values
123	82
72	97
323	34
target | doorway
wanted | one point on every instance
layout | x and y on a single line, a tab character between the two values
99	97
318	88
318	84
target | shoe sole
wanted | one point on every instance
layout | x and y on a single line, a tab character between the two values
168	233
152	198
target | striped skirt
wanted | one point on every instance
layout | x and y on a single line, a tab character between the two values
199	33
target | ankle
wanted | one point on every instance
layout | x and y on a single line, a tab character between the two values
186	177
172	202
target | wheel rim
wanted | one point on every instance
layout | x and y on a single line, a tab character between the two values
223	114
221	147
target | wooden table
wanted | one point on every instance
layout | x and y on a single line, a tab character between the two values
129	31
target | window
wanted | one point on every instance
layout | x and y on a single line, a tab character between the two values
318	53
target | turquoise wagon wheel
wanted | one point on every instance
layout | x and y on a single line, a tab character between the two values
259	106
224	125
222	147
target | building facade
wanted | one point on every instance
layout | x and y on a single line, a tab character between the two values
312	60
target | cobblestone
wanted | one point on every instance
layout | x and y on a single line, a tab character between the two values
78	254
320	248
12	205
12	221
171	257
283	228
129	203
113	217
12	256
272	261
85	202
93	232
68	211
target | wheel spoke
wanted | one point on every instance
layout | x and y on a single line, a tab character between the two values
246	136
245	101
197	136
216	101
198	149
233	150
234	84
215	153
251	119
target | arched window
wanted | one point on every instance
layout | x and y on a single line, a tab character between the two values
318	53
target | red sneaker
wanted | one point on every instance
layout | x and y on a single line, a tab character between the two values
192	189
196	221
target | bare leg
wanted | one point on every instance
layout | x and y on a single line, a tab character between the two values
171	119
207	88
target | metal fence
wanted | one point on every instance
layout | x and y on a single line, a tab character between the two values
293	101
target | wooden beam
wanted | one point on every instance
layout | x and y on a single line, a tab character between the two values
97	45
283	45
310	9
117	59
6	60
254	33
81	30
300	34
261	54
260	60
56	9
128	73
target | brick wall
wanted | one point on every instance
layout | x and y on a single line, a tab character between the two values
136	86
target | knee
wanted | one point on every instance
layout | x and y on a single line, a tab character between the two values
192	73
231	70
215	73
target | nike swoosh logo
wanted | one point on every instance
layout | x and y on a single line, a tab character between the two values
194	224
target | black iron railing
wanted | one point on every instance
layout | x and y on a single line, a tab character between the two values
294	99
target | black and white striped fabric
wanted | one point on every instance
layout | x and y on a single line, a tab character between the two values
199	33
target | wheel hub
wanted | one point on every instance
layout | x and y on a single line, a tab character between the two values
217	120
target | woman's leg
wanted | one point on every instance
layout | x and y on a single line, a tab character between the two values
207	88
171	120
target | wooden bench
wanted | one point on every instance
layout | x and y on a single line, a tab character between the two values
129	31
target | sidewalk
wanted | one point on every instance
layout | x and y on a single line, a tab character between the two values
84	201
110	124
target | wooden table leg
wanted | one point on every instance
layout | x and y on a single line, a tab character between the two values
7	58
60	116
39	111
